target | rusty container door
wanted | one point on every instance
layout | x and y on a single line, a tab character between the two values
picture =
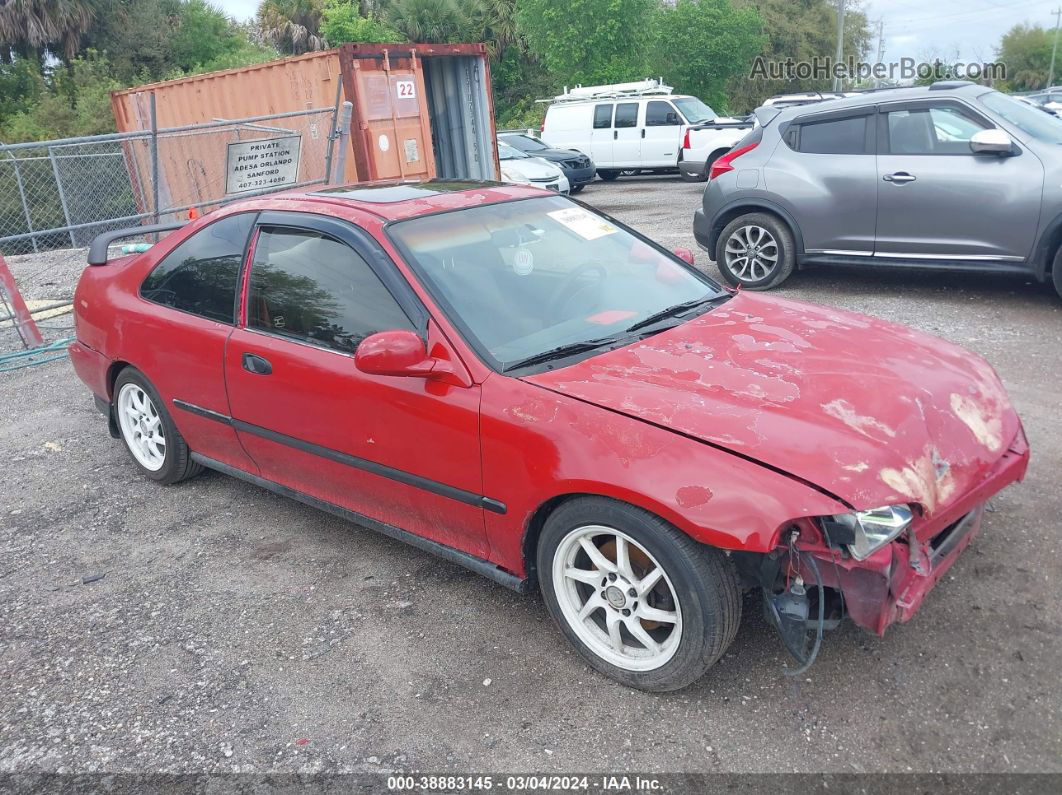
420	111
390	129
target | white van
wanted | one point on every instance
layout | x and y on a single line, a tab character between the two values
629	126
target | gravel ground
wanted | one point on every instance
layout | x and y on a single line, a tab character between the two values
213	626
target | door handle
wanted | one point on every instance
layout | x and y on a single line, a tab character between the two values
899	178
257	365
643	132
615	134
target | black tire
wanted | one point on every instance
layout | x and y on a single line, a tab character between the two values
698	177
783	244
577	189
1056	272
608	174
710	599
178	464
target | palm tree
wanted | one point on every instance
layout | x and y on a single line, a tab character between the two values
31	27
292	26
433	20
496	19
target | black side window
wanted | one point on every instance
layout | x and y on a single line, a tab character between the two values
308	286
660	114
201	275
627	114
834	137
602	117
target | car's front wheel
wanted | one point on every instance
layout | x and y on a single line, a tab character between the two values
755	251
1056	271
608	174
148	431
577	189
641	602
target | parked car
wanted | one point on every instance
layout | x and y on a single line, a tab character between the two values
533	390
952	176
702	145
521	169
1050	100
630	127
1042	104
577	167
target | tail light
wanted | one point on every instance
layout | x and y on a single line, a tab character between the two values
725	163
686	139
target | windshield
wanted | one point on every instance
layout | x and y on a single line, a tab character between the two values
694	110
523	278
525	143
506	152
1032	121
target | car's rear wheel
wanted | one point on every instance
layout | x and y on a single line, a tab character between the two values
1056	272
755	251
153	441
641	602
608	174
702	176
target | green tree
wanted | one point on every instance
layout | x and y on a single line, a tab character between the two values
702	44
801	30
588	41
343	21
433	20
292	26
31	28
1026	52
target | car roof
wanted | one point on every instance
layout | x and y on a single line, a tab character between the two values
392	201
874	97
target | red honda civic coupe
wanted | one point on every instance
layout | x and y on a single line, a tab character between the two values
529	388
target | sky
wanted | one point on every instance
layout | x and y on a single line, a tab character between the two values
970	29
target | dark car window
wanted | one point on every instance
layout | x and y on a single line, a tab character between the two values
308	286
201	274
627	114
660	114
602	117
525	143
834	137
943	130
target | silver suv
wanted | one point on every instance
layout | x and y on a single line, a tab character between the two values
954	176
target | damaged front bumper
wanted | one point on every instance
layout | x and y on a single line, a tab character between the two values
890	584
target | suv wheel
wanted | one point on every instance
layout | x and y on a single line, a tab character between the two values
149	434
642	602
755	251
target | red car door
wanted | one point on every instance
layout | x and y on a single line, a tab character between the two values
400	450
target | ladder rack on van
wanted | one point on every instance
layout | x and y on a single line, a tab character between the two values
640	88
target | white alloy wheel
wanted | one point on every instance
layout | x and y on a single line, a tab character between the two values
141	427
617	598
751	253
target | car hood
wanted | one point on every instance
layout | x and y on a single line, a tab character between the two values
557	155
532	167
872	412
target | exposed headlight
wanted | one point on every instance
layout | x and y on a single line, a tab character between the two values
515	177
873	529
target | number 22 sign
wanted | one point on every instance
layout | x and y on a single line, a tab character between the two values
406	89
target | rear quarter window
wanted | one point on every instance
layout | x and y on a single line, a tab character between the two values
200	276
833	136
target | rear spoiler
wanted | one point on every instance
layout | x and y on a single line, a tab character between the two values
97	253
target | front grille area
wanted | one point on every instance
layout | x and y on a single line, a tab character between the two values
947	539
578	162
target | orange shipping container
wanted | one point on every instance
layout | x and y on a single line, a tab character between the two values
419	111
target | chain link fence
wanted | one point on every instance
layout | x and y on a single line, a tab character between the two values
56	196
61	194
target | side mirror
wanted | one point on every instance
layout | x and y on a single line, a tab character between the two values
671	118
684	254
398	353
991	142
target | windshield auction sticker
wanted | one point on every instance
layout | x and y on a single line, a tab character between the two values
584	224
268	163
